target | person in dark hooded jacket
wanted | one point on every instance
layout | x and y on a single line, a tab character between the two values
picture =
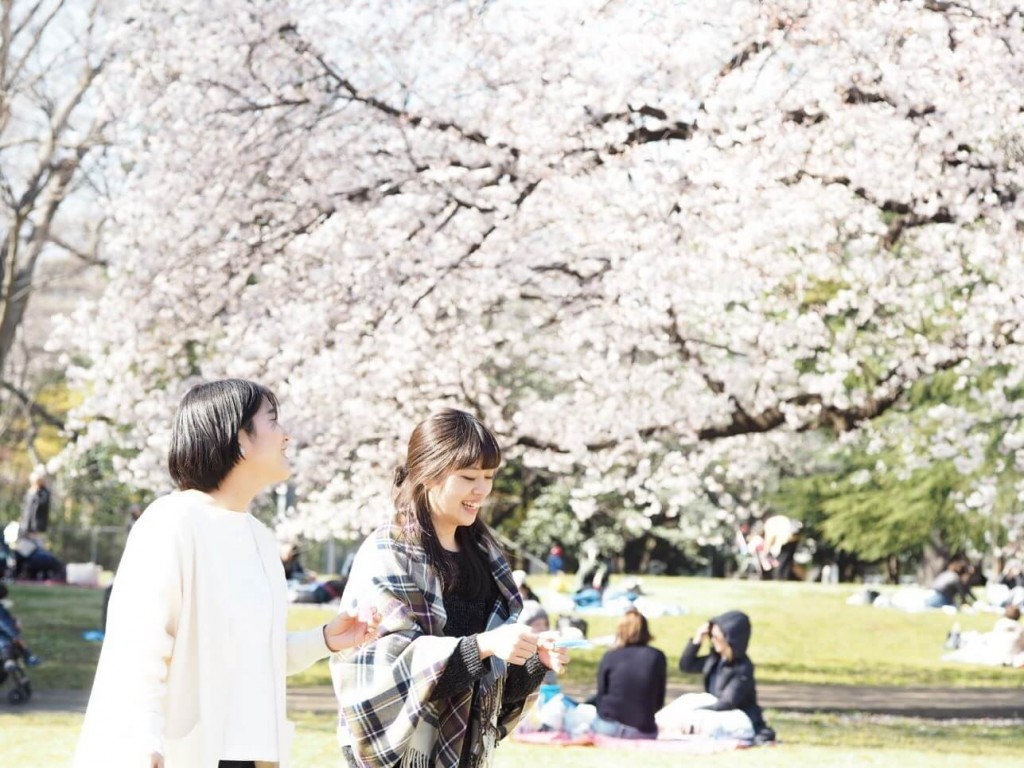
729	707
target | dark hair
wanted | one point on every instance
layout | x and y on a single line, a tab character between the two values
632	629
447	441
204	441
1012	612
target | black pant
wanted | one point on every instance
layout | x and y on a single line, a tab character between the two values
784	562
237	764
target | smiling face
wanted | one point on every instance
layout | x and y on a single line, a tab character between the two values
264	450
456	501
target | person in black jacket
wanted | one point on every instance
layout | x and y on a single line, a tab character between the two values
728	708
35	516
630	682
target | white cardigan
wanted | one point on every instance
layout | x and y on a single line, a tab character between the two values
160	685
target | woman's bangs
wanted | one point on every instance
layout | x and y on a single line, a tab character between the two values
478	448
264	393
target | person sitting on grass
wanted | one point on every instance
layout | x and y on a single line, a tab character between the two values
34	562
1003	646
536	618
952	587
630	682
519	577
728	708
291	561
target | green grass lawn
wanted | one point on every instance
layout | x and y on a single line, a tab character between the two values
802	633
53	619
38	739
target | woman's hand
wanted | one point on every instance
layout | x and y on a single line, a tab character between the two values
513	643
351	628
555	659
702	634
156	760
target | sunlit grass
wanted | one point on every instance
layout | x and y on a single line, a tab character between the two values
53	620
43	739
803	633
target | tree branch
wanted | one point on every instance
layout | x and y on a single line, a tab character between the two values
290	32
473	248
34	408
88	256
743	422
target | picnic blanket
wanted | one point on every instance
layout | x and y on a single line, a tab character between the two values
561	722
553	738
690	745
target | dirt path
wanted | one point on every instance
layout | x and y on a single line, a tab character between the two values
937	703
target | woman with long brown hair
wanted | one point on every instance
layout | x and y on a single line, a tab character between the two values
451	671
630	682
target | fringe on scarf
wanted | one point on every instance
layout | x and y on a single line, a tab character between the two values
416	759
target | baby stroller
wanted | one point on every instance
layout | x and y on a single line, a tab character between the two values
13	656
11	668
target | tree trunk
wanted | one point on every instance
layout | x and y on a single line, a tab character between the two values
650	542
934	557
893	568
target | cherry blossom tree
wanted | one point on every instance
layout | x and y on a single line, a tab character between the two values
657	246
51	54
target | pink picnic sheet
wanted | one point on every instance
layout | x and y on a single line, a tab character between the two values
691	745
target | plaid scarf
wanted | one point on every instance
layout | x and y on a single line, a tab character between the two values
384	687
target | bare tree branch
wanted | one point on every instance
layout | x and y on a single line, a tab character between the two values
31	202
88	255
34	408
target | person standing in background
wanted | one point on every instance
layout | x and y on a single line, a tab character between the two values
35	515
782	534
556	563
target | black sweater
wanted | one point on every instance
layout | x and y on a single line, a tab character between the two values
467	616
631	686
731	681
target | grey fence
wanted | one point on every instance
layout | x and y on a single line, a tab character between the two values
103	544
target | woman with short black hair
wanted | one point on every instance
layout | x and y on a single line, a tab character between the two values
192	670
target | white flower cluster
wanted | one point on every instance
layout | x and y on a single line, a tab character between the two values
650	243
